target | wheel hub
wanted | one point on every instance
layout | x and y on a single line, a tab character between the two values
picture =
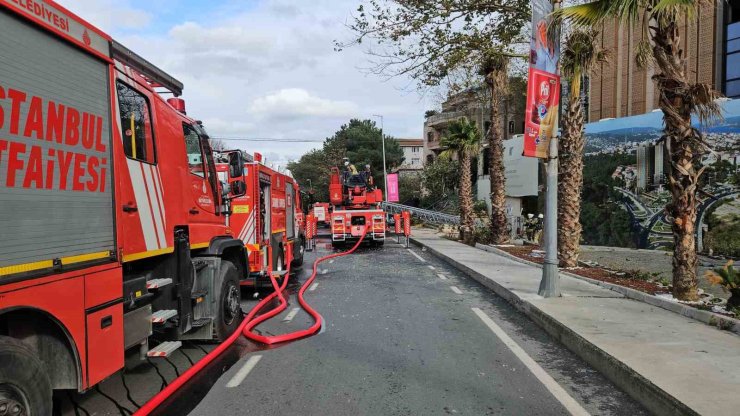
12	402
231	306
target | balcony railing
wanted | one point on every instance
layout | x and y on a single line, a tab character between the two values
445	117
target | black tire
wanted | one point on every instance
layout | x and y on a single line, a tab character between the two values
299	245
337	244
229	313
23	380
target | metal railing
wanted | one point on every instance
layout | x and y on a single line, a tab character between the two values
428	216
516	226
445	117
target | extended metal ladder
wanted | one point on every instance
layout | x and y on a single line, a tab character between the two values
428	216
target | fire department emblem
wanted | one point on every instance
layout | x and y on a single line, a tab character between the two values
86	38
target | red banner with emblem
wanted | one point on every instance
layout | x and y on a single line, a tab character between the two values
543	85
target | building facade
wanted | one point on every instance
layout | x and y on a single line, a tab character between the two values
522	173
711	44
413	159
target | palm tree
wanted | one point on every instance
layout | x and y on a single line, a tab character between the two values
581	55
495	69
678	100
463	141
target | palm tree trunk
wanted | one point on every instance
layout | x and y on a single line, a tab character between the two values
682	144
466	200
571	179
497	82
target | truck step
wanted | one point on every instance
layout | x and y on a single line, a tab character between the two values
163	315
280	273
157	283
164	349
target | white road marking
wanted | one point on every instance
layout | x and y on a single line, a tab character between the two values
325	271
289	317
416	255
441	276
456	290
244	371
431	267
570	404
313	287
331	261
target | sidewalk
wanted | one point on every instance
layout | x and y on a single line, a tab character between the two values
669	363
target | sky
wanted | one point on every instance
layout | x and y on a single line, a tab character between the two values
261	68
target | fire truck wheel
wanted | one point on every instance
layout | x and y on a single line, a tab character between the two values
25	388
300	249
229	313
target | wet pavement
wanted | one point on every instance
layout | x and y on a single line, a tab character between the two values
397	339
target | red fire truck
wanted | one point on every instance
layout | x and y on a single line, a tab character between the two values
322	211
265	218
355	204
117	242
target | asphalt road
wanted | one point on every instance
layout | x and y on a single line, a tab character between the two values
403	335
399	339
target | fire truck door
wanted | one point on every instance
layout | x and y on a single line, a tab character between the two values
265	218
203	202
290	225
142	202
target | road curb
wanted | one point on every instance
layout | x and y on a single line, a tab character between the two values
712	319
652	397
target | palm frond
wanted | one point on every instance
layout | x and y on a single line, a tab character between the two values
462	137
582	53
686	8
704	100
643	54
595	12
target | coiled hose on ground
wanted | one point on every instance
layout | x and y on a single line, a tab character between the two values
250	322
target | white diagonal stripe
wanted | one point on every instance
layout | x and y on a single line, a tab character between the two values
416	255
244	371
153	200
142	203
289	317
570	404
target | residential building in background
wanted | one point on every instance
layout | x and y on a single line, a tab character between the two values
413	160
522	173
474	104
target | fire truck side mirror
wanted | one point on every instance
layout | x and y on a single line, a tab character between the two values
238	188
236	165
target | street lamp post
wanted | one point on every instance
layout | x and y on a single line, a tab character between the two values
385	173
550	283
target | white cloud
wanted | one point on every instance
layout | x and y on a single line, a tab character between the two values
110	14
235	39
293	102
265	69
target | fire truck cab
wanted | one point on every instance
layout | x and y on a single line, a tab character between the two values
116	238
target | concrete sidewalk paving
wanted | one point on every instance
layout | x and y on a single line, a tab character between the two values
669	363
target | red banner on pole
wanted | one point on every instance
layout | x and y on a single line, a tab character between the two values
543	100
393	194
543	85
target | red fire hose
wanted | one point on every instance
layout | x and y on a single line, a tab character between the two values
249	323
